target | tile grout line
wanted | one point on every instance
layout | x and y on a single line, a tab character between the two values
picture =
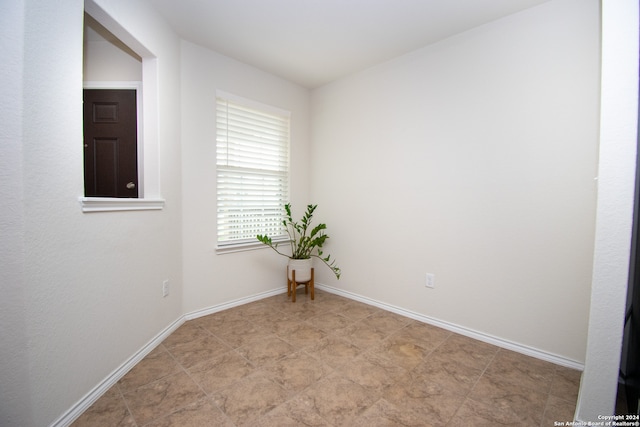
126	404
467	396
186	371
546	403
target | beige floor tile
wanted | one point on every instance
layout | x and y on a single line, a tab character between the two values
221	371
282	302
187	332
511	399
558	409
476	414
108	410
330	322
385	414
455	376
162	397
156	365
332	302
255	311
236	312
431	336
216	321
278	322
429	401
403	351
202	413
300	310
356	310
218	324
387	322
525	371
397	373
240	333
334	351
566	383
297	371
246	400
302	335
338	400
466	351
372	373
293	413
191	352
266	350
362	335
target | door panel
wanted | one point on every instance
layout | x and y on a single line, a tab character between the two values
105	160
110	143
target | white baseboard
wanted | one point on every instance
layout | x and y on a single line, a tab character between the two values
509	345
90	398
234	303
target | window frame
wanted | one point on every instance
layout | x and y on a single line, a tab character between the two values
250	243
149	195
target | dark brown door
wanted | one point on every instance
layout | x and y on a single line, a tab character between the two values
110	143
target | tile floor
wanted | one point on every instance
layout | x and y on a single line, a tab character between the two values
331	362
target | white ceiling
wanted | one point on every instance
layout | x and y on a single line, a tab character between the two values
312	42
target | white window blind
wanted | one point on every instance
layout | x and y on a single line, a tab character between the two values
252	149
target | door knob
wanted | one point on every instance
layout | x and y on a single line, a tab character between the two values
131	186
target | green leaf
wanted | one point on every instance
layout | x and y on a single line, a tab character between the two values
303	245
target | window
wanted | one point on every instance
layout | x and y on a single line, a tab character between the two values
130	64
252	151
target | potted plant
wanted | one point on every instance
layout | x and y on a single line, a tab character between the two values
305	242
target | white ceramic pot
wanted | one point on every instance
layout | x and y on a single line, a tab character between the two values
302	268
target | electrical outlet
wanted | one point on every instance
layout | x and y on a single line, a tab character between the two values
431	280
165	288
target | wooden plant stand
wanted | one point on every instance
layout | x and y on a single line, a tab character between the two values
293	284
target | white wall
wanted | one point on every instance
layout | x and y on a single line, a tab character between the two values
473	159
107	59
77	282
212	279
15	401
617	168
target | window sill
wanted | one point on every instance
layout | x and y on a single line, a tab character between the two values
228	249
246	246
107	204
